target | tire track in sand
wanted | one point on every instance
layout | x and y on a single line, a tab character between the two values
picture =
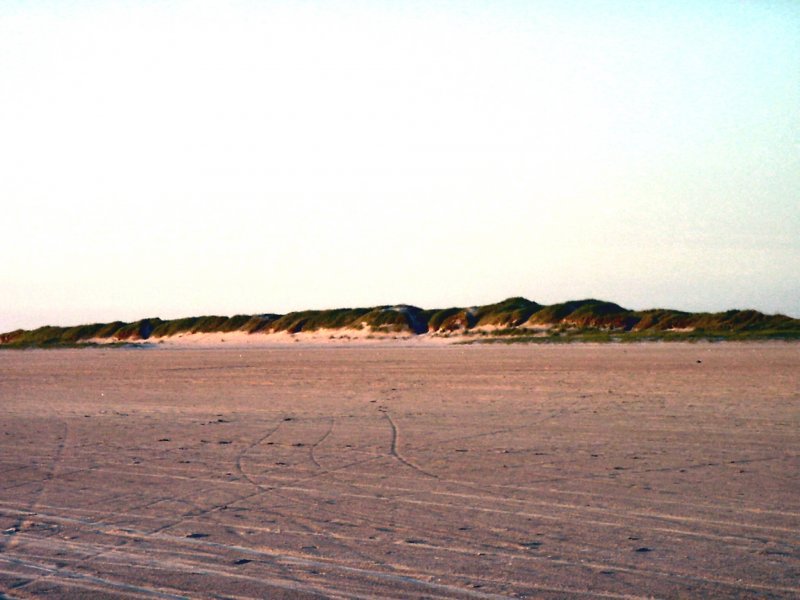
24	522
316	444
241	456
394	453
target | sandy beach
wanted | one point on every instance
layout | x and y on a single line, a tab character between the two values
341	471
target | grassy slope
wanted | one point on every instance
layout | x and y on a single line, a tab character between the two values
514	319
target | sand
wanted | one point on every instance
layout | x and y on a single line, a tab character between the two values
320	337
607	471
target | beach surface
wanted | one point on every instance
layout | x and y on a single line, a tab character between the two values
312	471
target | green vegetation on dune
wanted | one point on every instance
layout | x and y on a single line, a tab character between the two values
209	324
601	315
43	336
743	320
604	336
662	319
314	320
108	330
396	319
447	319
582	313
451	320
728	321
514	320
138	330
508	313
259	323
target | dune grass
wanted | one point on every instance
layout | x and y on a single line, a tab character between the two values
514	320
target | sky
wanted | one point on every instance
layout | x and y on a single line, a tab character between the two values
181	158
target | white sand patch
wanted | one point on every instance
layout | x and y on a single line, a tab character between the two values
235	339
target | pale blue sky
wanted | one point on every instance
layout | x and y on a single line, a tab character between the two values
182	158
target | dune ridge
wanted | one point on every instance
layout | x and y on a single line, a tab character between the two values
512	320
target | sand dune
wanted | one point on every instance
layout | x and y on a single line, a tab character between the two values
517	319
